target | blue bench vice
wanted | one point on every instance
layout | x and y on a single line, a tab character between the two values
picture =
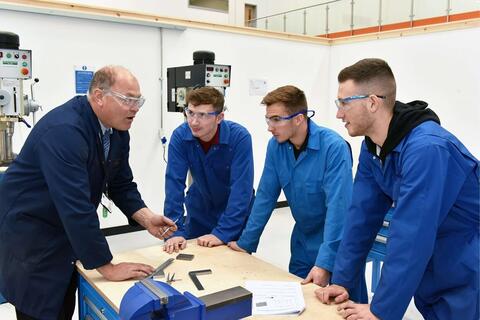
154	300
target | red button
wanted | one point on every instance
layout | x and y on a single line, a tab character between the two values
24	56
226	81
24	71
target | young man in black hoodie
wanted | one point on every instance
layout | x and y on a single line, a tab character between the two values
421	173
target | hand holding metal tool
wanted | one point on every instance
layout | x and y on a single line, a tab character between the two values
168	229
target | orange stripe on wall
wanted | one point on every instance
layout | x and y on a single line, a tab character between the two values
465	16
396	26
404	25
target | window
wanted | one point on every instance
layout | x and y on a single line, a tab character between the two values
219	5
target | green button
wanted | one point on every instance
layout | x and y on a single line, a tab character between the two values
24	64
9	55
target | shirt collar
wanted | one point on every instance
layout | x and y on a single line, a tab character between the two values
313	132
104	128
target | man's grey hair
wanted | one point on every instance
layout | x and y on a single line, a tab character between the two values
105	78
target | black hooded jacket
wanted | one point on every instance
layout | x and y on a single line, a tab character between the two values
405	118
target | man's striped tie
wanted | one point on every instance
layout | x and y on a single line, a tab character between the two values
106	142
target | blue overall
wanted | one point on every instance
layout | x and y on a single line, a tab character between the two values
431	182
318	188
221	195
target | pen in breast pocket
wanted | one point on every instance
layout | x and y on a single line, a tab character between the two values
168	229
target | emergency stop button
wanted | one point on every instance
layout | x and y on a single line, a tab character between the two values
24	71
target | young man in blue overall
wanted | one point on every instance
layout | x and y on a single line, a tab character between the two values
426	177
313	167
218	154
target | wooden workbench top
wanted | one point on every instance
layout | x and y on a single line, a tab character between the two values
229	269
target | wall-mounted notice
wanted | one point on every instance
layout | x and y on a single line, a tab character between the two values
258	87
83	76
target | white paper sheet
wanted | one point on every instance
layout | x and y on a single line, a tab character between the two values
276	297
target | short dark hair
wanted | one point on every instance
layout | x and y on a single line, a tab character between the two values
293	98
374	73
207	95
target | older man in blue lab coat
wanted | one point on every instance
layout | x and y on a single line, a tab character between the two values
219	155
312	165
50	193
426	177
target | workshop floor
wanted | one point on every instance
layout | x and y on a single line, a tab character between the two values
274	247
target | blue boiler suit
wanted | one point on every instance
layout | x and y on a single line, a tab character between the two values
318	188
221	195
430	184
48	201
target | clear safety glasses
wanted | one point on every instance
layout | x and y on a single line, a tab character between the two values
132	102
343	103
278	120
201	116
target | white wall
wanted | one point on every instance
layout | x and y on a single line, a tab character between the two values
174	8
440	68
169	8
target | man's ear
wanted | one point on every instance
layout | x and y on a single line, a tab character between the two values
373	103
98	97
299	119
220	117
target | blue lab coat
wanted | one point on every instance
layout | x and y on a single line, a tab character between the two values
48	201
318	188
431	183
220	197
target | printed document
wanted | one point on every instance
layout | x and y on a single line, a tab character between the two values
276	297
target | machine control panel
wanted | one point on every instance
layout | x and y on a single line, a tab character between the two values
217	75
180	80
15	64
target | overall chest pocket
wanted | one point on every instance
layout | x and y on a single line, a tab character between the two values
313	196
313	187
222	171
219	160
